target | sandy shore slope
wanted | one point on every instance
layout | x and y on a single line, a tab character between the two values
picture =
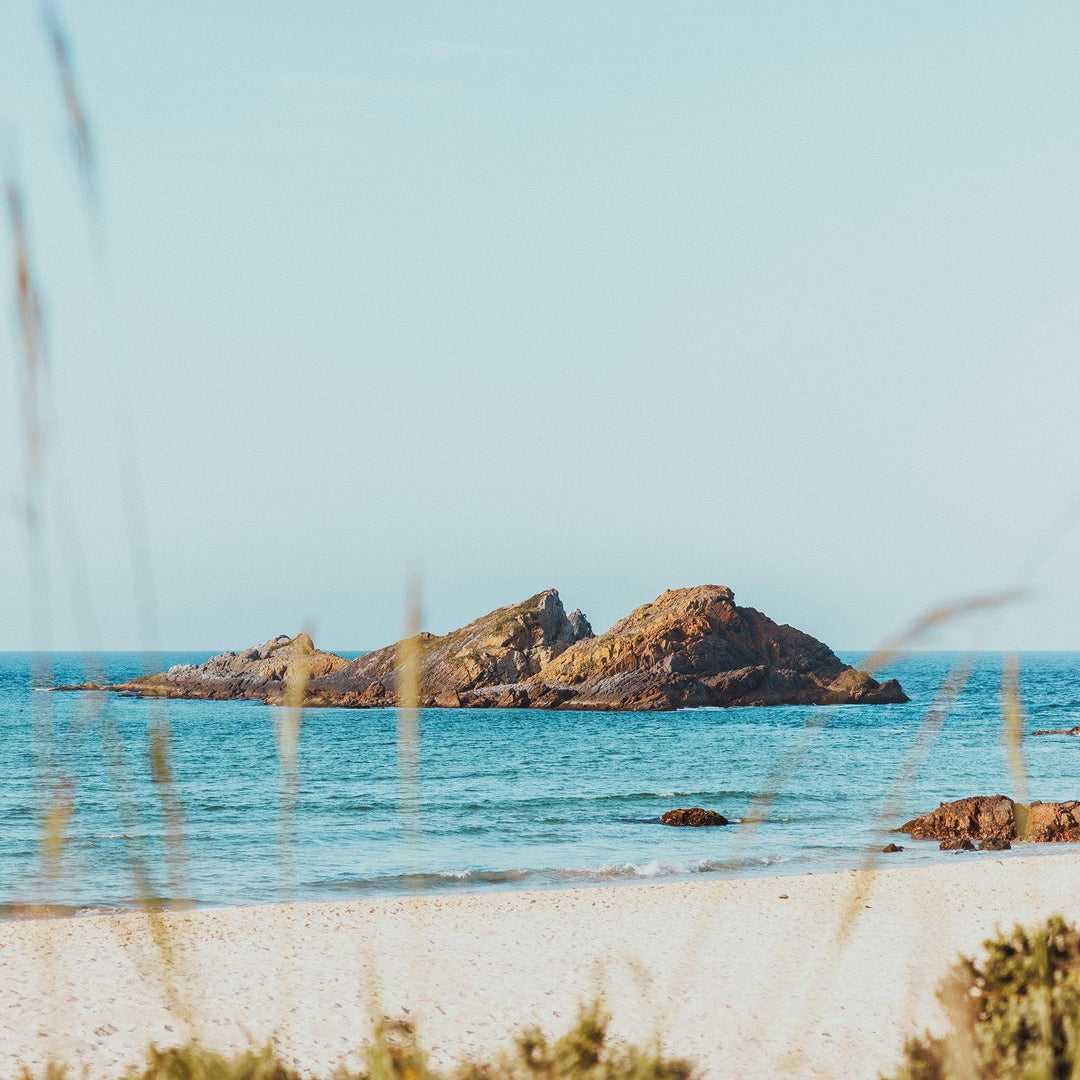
739	978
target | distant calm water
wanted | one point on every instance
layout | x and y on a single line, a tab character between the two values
509	798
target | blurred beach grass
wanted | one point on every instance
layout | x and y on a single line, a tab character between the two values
584	1052
395	1052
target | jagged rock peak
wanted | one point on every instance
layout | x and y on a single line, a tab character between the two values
506	646
579	624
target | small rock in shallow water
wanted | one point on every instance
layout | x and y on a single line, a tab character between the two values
956	845
995	845
888	849
693	816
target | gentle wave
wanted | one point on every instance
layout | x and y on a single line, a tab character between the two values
548	876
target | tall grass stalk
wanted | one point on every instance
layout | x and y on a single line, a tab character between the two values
795	754
895	800
407	662
1012	729
159	736
395	1051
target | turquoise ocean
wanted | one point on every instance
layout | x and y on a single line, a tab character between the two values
507	798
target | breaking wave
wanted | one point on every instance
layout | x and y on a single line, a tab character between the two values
549	877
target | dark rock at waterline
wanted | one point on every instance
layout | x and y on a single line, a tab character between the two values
688	648
994	845
997	818
985	817
888	849
693	816
956	845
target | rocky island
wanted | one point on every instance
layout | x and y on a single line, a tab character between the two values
689	647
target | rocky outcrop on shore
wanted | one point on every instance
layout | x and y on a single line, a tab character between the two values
996	819
689	647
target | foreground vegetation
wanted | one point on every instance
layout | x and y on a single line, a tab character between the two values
1014	1016
585	1052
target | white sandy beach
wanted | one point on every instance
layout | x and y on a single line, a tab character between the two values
741	980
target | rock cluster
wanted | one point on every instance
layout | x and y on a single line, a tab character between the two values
263	671
996	820
967	845
689	647
693	816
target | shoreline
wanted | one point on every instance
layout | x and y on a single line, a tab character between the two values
742	975
479	882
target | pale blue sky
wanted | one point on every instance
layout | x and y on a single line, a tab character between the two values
611	297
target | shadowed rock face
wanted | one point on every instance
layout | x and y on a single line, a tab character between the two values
689	647
997	819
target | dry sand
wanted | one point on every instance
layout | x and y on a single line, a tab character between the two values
746	977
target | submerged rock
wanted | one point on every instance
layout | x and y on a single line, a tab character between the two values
890	849
1058	731
689	647
997	819
693	816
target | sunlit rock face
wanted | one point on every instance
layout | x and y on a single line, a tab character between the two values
689	647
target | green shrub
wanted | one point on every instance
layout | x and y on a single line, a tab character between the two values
1014	1016
584	1053
195	1062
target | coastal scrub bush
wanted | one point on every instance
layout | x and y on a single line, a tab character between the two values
1014	1016
192	1061
195	1062
585	1052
